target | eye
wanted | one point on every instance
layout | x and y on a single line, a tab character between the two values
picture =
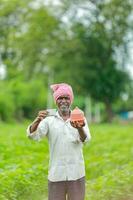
60	98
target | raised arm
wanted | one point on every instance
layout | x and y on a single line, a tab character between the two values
41	115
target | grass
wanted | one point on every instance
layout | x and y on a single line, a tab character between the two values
108	160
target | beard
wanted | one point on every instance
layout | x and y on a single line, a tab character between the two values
64	108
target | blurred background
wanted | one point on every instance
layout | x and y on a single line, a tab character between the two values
88	44
85	43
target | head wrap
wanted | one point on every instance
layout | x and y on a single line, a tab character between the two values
62	89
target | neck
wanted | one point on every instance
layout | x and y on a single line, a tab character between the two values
64	114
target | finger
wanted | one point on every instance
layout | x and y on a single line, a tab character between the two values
82	123
77	123
42	115
42	112
38	119
73	124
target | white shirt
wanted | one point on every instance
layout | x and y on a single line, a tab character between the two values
66	157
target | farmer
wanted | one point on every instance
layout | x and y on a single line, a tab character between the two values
66	177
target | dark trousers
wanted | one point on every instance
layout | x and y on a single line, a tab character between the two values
67	190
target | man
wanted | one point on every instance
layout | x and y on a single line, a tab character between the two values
66	178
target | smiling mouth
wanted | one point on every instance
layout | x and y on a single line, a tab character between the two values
64	105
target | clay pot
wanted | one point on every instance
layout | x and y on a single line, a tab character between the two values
77	115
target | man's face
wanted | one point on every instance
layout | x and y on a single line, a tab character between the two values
63	103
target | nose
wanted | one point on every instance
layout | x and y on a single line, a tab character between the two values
63	99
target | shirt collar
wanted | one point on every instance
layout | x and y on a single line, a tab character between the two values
58	115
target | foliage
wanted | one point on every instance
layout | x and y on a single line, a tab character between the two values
27	41
35	42
7	106
108	159
21	99
91	49
126	104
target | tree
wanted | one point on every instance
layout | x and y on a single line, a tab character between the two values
37	44
28	37
94	53
11	18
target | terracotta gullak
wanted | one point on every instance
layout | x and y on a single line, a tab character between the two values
77	115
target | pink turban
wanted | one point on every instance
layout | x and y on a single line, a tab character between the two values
62	89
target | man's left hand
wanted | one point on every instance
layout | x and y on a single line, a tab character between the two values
77	124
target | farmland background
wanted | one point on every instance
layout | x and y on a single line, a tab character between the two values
87	44
108	158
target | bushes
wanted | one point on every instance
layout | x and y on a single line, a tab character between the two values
7	106
20	100
23	170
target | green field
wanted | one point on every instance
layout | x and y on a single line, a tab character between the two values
108	158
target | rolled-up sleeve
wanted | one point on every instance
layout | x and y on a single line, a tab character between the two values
87	132
41	131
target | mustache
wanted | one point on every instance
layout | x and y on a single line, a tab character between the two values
64	107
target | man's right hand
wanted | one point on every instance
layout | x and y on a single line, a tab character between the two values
41	115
